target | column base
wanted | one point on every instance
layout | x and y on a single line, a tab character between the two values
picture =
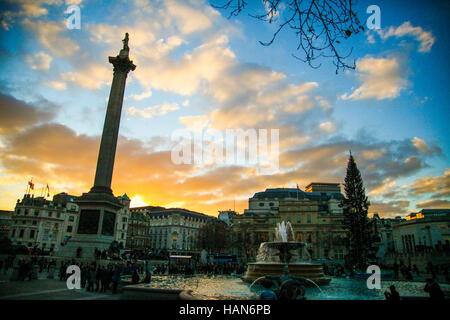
100	189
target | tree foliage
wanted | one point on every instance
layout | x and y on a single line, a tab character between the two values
214	237
359	229
320	26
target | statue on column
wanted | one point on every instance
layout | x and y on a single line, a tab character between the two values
125	42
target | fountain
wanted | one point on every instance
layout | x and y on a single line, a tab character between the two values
285	259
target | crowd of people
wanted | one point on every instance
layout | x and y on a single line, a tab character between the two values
101	277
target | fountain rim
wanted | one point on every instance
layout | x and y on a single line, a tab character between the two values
296	242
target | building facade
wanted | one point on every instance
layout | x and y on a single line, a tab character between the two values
173	230
49	224
5	223
426	230
44	224
316	219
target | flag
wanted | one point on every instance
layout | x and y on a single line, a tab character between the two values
31	184
48	191
297	186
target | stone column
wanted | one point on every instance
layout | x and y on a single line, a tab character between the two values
105	164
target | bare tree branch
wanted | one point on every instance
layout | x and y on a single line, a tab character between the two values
320	26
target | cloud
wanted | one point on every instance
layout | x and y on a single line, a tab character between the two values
51	36
151	112
425	38
389	209
436	186
381	79
434	204
142	96
188	19
327	126
194	123
57	85
90	76
17	115
421	145
39	61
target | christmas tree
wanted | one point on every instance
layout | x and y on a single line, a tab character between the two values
360	251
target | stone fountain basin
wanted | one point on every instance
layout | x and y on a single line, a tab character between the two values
312	271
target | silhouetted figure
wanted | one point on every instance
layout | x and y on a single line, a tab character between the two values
148	277
135	277
393	295
434	290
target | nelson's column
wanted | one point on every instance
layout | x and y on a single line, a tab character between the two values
98	208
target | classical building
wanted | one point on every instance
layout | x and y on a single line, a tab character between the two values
421	238
122	220
42	223
174	230
316	219
5	223
384	229
425	230
50	224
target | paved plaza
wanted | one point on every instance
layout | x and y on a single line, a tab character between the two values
46	289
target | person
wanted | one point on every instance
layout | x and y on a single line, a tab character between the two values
393	295
135	277
91	279
267	293
115	279
98	277
434	290
148	277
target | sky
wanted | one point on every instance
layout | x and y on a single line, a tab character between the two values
203	72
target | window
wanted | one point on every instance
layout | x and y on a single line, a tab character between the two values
32	234
69	228
34	222
21	233
71	218
13	233
59	214
308	218
26	212
36	212
261	204
50	214
271	204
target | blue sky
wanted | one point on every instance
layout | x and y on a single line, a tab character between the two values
198	69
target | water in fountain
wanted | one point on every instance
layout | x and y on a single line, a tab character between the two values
285	253
284	232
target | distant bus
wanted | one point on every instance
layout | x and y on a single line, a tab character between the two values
222	258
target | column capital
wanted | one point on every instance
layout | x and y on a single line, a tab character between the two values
122	64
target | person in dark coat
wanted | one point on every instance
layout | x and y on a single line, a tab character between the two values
115	279
393	295
135	277
434	290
